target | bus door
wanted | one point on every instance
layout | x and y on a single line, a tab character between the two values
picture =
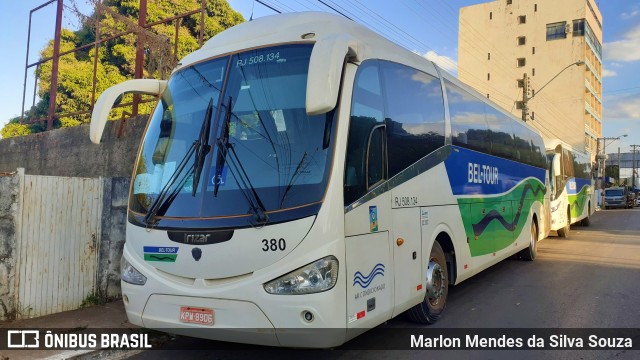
369	264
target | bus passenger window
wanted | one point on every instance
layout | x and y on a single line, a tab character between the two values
469	128
414	115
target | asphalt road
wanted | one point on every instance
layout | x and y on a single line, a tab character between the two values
588	280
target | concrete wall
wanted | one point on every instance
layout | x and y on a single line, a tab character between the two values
68	152
9	210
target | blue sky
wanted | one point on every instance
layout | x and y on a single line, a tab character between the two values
428	27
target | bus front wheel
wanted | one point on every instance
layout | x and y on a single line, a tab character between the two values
437	289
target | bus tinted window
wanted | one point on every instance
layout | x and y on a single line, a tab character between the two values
539	151
414	114
522	139
500	133
366	113
468	126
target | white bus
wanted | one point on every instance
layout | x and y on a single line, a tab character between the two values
571	187
300	172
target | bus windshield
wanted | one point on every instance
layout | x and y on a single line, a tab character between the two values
238	123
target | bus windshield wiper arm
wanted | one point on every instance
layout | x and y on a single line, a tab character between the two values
203	148
162	201
200	147
242	179
222	152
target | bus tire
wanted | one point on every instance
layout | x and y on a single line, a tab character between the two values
564	232
437	289
587	221
529	254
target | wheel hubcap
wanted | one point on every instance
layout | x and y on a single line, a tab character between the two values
435	282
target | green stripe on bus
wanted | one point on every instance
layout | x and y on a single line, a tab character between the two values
160	257
494	223
578	201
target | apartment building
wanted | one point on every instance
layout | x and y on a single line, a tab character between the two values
555	45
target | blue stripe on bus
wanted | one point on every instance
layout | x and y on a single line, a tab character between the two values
161	250
471	172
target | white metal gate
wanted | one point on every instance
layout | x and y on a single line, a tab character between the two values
58	243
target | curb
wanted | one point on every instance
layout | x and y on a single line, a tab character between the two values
102	354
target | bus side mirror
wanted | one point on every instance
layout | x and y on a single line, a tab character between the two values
325	71
556	165
113	95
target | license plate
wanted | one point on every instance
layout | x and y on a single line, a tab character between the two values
196	315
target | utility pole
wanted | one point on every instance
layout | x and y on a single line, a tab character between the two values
526	89
633	167
525	97
619	173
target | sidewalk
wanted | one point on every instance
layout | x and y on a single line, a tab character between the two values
110	315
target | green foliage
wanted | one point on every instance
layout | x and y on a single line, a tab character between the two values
92	300
116	58
13	130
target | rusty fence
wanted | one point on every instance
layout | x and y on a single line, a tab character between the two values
140	31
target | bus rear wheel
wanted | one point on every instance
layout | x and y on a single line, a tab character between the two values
529	254
564	232
437	289
587	221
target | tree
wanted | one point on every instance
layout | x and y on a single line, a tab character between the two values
13	128
116	57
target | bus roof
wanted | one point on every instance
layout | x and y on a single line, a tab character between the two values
292	27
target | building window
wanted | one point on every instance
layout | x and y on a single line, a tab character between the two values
521	62
490	15
488	56
535	7
519	105
509	2
488	76
520	83
533	50
533	115
557	31
522	19
578	27
533	72
522	40
487	96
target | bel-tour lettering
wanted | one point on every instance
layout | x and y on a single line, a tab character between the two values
482	174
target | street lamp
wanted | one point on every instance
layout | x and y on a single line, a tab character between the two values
525	89
603	157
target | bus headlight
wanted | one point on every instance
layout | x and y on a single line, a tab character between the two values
320	275
130	274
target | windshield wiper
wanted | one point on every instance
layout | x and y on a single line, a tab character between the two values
244	182
200	147
294	177
203	148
